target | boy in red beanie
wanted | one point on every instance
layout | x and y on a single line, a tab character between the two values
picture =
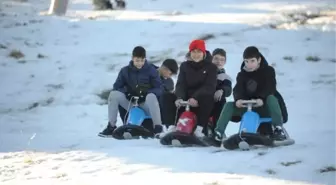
196	83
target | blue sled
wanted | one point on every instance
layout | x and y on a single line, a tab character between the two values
138	124
248	131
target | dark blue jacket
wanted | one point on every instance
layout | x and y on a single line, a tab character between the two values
168	83
130	77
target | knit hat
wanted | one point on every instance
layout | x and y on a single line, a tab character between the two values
171	64
219	51
139	51
197	44
251	52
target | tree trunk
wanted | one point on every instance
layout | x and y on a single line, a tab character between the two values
58	7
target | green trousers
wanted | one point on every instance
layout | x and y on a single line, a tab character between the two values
271	108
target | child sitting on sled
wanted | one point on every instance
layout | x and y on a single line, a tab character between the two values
256	80
196	84
140	79
224	85
168	68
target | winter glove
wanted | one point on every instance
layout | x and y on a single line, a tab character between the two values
239	104
193	102
259	103
178	102
141	91
218	95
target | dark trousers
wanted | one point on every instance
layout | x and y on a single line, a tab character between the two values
170	113
217	109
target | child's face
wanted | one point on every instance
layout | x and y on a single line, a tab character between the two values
196	55
165	72
219	61
138	62
252	64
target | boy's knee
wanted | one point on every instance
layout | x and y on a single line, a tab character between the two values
271	99
115	95
151	97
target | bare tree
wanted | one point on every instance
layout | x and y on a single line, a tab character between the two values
58	7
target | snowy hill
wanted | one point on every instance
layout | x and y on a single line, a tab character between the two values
53	71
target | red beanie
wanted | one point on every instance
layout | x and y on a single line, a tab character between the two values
197	44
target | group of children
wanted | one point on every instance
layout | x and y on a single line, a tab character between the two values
202	82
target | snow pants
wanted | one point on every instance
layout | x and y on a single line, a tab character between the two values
271	108
150	106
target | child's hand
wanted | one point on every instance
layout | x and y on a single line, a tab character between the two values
178	102
239	104
218	95
259	103
193	102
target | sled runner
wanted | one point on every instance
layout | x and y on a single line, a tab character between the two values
250	131
184	135
138	124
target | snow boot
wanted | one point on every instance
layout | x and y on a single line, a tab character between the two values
278	134
102	5
121	4
108	131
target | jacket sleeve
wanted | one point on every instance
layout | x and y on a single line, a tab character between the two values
168	84
225	84
209	85
238	90
120	83
156	83
180	88
270	84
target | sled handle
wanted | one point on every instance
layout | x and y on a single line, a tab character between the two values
249	104
136	98
185	104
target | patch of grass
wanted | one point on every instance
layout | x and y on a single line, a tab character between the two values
104	95
313	58
55	86
41	103
262	153
112	67
60	175
28	160
290	163
207	37
225	34
3	46
270	172
33	105
327	169
22	61
212	183
333	60
288	58
17	54
41	56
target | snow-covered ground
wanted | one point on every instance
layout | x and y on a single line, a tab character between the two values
50	113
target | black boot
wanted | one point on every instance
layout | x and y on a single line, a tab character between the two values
102	5
278	134
121	4
107	132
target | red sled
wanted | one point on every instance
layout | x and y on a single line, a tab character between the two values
184	133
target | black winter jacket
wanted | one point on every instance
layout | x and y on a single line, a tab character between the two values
259	84
196	79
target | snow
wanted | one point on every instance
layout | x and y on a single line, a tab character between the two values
56	142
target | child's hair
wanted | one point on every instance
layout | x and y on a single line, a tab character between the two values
219	51
251	52
139	51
